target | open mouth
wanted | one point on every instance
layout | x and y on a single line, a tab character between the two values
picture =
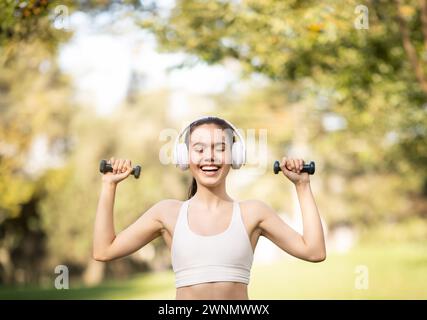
210	170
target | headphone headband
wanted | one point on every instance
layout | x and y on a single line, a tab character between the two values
237	133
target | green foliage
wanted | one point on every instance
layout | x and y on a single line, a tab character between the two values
35	103
71	193
29	21
372	82
313	51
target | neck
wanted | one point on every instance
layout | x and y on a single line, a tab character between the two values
212	196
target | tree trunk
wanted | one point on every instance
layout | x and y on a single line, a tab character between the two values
7	266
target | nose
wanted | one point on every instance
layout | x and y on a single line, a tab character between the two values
208	155
212	157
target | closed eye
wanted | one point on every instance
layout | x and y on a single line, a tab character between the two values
219	147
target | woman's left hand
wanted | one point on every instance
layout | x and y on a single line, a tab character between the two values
291	168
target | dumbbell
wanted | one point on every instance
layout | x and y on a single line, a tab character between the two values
106	167
309	168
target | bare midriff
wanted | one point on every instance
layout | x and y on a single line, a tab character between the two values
225	290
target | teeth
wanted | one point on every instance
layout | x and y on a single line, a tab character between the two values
209	168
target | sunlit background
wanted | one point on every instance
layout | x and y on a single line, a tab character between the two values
342	83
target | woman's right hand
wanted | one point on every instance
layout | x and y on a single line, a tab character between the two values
121	170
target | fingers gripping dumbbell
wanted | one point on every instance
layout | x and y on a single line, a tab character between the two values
309	168
106	167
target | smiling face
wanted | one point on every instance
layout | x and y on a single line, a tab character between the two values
209	150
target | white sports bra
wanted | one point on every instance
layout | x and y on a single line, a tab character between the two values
226	256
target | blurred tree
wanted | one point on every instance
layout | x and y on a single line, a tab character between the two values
36	109
23	20
318	42
34	113
71	194
353	183
362	68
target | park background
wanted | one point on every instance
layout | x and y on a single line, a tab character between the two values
343	83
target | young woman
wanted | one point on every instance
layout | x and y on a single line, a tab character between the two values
212	237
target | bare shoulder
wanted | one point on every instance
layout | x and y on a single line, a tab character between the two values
169	203
257	209
167	210
254	205
167	206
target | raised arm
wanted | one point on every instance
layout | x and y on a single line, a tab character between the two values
309	246
106	244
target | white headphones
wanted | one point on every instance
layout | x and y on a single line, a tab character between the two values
238	149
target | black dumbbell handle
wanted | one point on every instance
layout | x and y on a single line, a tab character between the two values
309	168
106	167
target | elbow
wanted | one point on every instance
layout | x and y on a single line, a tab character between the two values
318	256
100	257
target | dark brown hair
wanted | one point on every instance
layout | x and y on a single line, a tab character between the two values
220	123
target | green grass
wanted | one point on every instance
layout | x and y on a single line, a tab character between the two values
395	272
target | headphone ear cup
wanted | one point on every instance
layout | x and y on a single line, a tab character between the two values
237	156
182	156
